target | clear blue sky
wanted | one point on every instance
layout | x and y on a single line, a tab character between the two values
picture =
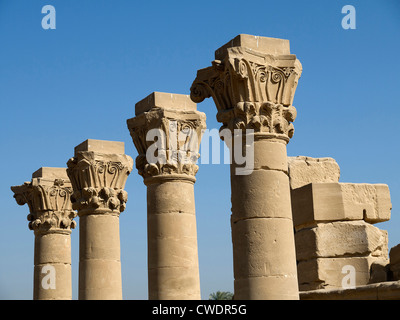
60	87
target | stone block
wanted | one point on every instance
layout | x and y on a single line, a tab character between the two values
47	176
258	245
372	199
389	290
101	146
100	280
266	288
249	200
330	273
57	274
325	202
379	271
270	155
51	173
99	237
304	170
163	100
273	46
173	239
394	256
178	283
52	248
341	238
171	197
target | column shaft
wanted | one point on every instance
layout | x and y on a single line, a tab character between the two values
99	257
52	267
173	269
262	227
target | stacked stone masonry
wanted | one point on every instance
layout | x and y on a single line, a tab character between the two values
394	267
297	232
334	231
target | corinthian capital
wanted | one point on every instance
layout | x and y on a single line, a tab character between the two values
166	132
98	173
252	82
48	197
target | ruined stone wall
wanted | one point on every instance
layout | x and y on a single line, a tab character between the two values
338	247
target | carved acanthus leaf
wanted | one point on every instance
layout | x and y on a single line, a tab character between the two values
49	204
174	137
251	90
98	181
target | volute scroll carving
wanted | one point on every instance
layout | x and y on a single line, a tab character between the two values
98	181
49	204
173	136
251	90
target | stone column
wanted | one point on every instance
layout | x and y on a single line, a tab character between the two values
252	82
169	174
98	173
51	218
